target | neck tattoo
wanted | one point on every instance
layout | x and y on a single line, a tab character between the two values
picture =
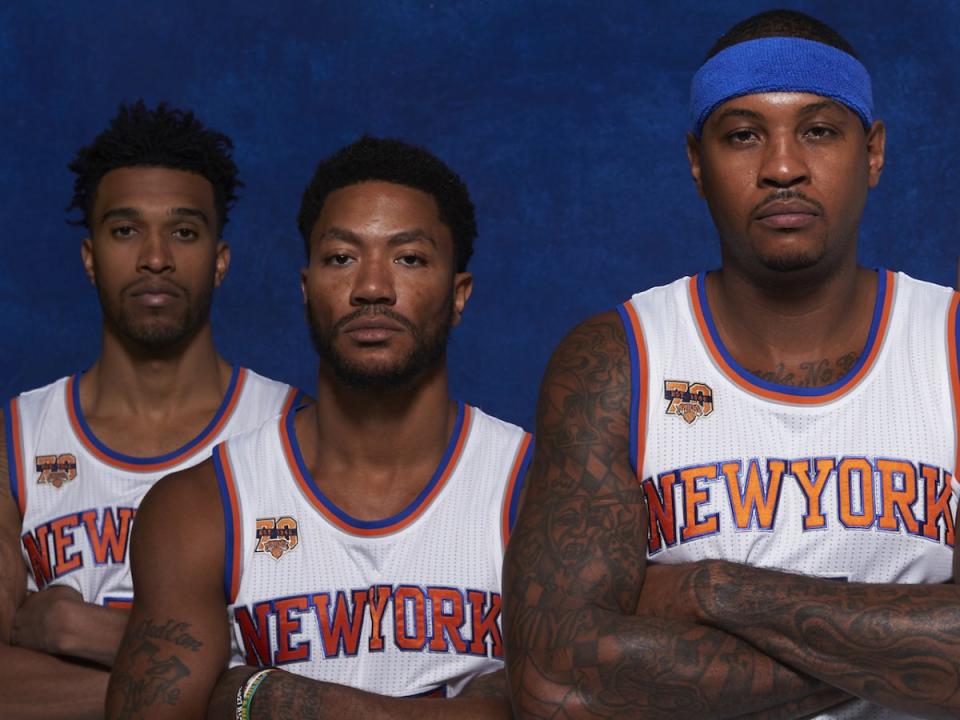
811	373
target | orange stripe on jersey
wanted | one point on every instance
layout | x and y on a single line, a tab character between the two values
15	453
786	394
234	541
640	438
162	462
510	503
374	528
952	319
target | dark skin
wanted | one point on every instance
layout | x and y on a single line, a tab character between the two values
371	450
149	226
592	631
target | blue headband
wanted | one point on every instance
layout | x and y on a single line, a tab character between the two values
780	64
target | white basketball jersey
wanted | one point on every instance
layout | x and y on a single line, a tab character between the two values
404	606
853	479
78	498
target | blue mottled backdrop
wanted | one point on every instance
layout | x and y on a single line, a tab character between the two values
566	119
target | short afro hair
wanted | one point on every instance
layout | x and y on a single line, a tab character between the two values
394	161
162	137
782	23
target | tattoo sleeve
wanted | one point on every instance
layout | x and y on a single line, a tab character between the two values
575	568
894	645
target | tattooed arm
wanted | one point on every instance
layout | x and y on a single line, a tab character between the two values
895	645
575	569
177	640
34	684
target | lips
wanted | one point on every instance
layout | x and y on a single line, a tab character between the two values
371	329
787	214
154	293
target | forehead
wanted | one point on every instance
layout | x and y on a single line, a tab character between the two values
780	107
153	189
380	208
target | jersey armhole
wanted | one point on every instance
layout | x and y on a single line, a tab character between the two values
639	395
14	440
953	336
231	522
515	485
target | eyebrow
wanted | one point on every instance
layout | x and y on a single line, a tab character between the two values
129	213
401	238
805	110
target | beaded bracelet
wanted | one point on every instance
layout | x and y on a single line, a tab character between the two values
246	691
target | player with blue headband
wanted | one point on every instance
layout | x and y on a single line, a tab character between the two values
743	500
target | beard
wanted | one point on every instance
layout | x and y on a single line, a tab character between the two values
155	332
429	349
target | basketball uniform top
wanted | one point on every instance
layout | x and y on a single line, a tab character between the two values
404	606
77	497
852	479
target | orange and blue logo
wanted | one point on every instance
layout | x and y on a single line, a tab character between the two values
690	401
277	536
56	470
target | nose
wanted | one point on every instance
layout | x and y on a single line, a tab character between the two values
374	282
155	253
784	163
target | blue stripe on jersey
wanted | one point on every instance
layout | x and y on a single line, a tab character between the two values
202	437
374	524
634	383
519	484
12	470
227	524
789	389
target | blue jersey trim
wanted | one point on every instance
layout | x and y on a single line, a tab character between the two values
174	454
634	384
519	485
749	377
12	470
387	522
227	524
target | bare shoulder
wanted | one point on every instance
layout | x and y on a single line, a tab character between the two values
584	404
182	512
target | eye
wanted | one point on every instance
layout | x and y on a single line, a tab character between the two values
185	233
338	259
123	231
820	132
410	260
743	137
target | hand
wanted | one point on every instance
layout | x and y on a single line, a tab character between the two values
39	620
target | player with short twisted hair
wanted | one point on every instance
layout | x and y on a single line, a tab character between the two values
77	456
779	437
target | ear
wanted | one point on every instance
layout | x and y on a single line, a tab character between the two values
222	263
876	143
693	157
462	288
86	255
303	284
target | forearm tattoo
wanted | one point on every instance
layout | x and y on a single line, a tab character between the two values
153	664
894	645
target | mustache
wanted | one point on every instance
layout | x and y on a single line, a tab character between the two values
373	311
785	195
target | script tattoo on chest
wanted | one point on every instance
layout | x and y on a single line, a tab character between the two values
812	373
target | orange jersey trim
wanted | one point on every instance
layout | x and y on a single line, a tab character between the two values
232	522
517	474
952	318
162	462
15	454
794	396
387	526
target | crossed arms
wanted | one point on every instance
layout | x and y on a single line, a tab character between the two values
173	658
592	632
